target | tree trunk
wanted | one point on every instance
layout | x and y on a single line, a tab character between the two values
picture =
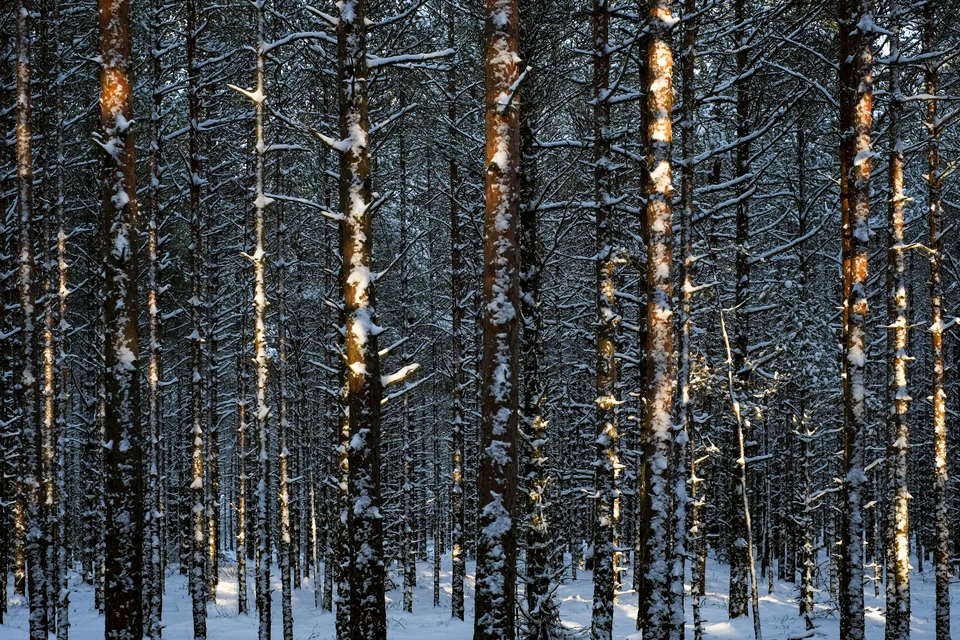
687	442
499	393
197	571
283	423
856	96
739	574
941	501
658	427
122	437
457	358
898	397
153	575
212	457
31	456
365	526
261	357
606	542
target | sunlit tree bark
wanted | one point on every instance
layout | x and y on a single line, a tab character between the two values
606	556
122	437
898	396
197	570
941	505
499	391
365	527
658	427
856	119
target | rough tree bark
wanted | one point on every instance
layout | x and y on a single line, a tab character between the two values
31	454
457	381
607	465
499	392
364	389
152	575
856	98
898	396
687	269
739	574
197	571
658	427
261	357
941	502
122	437
283	424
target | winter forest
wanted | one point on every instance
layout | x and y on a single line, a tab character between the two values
500	319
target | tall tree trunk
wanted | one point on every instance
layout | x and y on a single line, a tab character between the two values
541	619
408	544
241	453
689	427
739	574
31	456
856	97
197	571
48	212
122	437
658	426
898	396
941	502
742	477
153	575
367	571
261	357
283	423
457	302
63	546
499	393
212	454
607	466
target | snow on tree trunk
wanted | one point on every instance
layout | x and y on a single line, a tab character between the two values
606	556
739	575
31	456
457	381
941	499
152	574
408	433
212	405
898	397
495	603
197	569
122	437
261	357
364	523
541	617
856	97
283	425
658	427
241	453
686	443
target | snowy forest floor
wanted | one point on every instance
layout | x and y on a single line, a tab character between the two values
778	611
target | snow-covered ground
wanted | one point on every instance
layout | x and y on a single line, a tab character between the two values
778	612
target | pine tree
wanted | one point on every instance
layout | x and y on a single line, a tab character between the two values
30	445
938	392
123	496
658	428
898	397
856	95
496	539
